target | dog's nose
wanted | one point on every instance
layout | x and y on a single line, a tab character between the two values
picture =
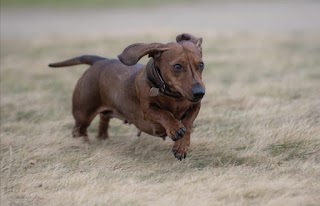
198	92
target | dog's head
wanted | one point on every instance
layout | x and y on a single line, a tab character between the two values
180	63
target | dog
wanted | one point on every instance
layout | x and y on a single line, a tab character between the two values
161	98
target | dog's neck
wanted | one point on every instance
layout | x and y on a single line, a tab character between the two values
157	83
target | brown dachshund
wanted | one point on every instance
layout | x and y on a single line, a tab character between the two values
161	98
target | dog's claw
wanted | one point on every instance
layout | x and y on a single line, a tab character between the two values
178	155
179	134
174	151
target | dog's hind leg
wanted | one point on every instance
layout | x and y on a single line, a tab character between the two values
83	117
85	103
104	125
81	125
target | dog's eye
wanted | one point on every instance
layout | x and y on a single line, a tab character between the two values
177	67
201	65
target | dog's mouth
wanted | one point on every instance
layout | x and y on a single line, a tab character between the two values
194	96
193	99
195	102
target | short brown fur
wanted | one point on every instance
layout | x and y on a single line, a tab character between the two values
121	89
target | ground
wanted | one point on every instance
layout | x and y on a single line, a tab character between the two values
255	142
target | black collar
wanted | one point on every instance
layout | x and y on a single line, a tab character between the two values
157	83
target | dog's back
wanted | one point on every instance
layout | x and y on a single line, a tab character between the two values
95	90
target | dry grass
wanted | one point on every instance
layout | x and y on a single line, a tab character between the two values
256	140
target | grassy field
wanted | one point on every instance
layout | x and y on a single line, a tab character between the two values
256	140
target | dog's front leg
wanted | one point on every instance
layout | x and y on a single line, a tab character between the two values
174	128
181	146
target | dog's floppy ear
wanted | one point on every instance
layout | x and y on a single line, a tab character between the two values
133	53
191	38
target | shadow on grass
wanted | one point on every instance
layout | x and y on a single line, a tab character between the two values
147	150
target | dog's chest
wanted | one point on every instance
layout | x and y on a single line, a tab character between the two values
178	108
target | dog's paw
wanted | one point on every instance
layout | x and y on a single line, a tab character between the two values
177	132
103	136
76	132
179	149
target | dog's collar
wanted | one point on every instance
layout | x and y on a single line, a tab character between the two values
157	83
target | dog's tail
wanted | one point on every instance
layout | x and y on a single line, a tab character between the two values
85	59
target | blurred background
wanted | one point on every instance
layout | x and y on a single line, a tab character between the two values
255	141
35	18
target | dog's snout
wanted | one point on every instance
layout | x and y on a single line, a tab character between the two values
198	92
198	95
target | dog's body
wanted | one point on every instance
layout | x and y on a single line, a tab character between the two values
161	98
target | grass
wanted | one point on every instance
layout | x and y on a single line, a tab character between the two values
255	142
